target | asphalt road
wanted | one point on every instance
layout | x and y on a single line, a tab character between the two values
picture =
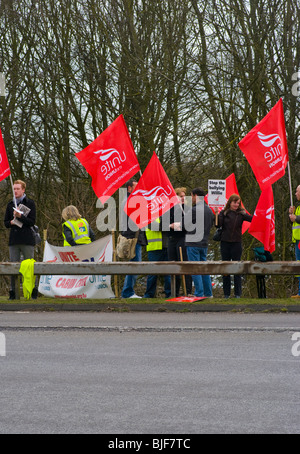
149	373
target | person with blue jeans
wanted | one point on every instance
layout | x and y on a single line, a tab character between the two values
294	215
200	216
128	232
130	279
202	282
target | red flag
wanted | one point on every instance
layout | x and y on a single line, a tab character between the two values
262	226
265	147
231	188
110	159
153	195
4	166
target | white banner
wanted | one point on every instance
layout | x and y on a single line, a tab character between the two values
96	287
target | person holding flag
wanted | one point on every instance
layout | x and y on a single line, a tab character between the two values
294	215
130	230
231	220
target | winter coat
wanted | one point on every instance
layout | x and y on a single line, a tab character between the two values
231	223
24	234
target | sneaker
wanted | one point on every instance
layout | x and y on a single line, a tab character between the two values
227	297
295	296
135	296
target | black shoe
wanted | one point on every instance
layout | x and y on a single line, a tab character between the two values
12	295
34	294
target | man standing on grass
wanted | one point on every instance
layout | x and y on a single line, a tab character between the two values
21	239
130	280
197	247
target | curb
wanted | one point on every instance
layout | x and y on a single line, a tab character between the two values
156	307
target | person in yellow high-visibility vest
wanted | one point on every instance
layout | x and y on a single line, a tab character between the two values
157	249
295	219
76	230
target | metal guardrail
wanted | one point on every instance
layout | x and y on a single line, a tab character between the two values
159	268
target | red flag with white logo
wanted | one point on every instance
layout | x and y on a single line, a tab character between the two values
110	159
4	166
231	188
153	195
262	226
265	147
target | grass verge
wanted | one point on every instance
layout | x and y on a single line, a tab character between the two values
152	304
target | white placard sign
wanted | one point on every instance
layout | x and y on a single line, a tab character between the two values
216	193
96	286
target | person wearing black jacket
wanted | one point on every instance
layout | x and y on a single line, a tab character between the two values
231	220
128	230
177	240
21	238
198	223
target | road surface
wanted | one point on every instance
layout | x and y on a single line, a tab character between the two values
149	373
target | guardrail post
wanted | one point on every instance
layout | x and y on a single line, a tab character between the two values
17	286
173	286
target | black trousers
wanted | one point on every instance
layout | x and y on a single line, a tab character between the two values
174	244
231	251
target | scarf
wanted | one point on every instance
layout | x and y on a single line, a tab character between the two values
20	199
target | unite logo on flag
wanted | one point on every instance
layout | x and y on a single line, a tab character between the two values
153	195
265	147
274	154
110	159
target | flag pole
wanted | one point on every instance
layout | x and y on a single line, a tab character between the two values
290	183
12	187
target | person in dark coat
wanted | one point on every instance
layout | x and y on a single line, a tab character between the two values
231	220
128	230
177	240
20	219
196	240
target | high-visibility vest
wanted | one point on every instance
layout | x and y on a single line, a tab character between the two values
80	231
296	227
154	239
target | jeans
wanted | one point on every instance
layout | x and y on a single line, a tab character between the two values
297	253
202	283
157	256
16	253
130	280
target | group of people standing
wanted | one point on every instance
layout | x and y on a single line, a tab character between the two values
174	244
179	243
